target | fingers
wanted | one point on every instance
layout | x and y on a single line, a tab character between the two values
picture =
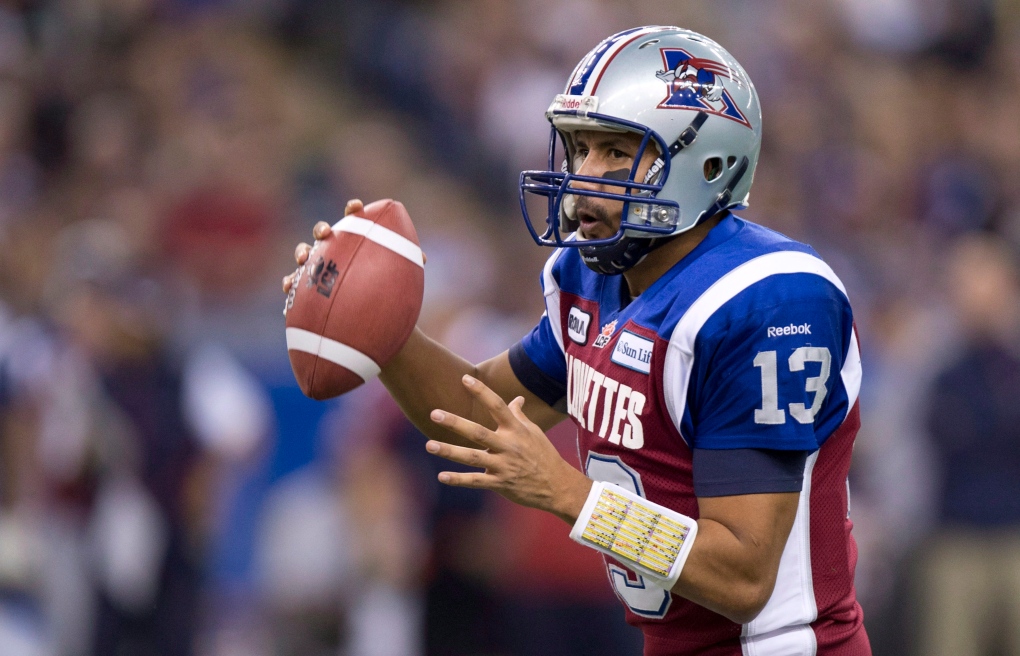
301	253
517	410
321	230
353	206
477	433
461	454
476	480
490	400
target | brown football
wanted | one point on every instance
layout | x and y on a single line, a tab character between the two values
355	300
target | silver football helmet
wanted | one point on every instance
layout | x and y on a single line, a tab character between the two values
687	98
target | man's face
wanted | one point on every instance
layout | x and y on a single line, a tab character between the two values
605	155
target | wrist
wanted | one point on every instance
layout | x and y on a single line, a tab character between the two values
572	496
647	538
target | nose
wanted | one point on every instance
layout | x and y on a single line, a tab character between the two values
593	168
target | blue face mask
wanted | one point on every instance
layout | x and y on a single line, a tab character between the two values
646	220
642	213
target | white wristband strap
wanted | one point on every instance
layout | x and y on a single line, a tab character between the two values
649	539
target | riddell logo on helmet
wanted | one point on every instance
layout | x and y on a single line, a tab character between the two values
696	83
580	104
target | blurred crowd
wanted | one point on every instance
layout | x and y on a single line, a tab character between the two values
165	489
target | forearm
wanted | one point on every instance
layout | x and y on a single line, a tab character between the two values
727	573
726	561
426	375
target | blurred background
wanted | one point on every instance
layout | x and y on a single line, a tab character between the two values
165	489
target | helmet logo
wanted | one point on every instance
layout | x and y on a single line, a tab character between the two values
696	83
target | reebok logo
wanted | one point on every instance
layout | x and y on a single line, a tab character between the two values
792	329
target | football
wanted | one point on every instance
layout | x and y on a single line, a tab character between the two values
355	301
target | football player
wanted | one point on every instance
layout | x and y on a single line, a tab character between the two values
710	365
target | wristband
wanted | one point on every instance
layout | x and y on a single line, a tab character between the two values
649	539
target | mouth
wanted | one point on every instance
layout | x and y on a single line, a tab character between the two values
587	224
590	224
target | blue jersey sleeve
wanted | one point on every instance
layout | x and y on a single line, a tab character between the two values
726	472
538	360
539	365
767	367
543	350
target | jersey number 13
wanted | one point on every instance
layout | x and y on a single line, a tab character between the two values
770	412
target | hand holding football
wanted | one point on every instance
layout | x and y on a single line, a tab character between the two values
355	300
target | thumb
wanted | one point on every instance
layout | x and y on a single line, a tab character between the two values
517	409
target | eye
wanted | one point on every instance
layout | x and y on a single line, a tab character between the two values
618	154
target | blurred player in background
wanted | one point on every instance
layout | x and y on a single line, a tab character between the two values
974	423
711	366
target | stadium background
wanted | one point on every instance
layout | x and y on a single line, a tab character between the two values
166	489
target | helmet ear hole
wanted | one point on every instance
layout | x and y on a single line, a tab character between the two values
731	162
713	169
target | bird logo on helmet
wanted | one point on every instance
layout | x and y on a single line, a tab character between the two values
704	164
694	83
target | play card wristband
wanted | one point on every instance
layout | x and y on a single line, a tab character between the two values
649	539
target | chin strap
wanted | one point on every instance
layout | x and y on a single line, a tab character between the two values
616	258
689	134
686	138
624	254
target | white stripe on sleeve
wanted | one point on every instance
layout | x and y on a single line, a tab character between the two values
680	354
552	298
851	372
783	626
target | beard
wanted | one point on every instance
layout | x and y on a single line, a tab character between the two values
587	206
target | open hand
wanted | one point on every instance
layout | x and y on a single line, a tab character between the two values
518	460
